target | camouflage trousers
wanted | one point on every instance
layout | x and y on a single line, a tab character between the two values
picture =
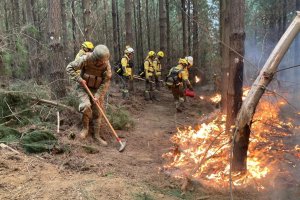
178	94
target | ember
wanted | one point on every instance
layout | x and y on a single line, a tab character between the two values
216	98
197	79
204	153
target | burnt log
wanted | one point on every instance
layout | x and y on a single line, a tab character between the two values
245	115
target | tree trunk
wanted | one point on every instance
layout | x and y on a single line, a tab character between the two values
86	6
31	43
183	18
115	30
168	34
225	28
189	28
65	30
236	41
73	29
148	25
297	40
118	29
128	20
244	119
56	59
137	57
163	31
141	51
6	16
196	45
105	21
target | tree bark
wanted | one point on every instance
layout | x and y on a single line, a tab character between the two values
163	31
189	28
115	30
297	40
244	119
141	47
65	30
56	59
225	28
148	25
6	16
168	34
236	41
196	44
73	29
183	18
128	20
86	7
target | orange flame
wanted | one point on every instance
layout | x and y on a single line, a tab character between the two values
197	79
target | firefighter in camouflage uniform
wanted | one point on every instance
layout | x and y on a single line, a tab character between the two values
96	74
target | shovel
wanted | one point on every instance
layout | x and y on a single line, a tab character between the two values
123	144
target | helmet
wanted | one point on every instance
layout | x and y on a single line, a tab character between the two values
190	60
88	45
183	61
160	54
100	52
151	53
129	50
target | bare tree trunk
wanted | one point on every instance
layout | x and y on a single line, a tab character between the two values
118	28
115	30
86	6
65	30
244	119
6	16
128	19
196	44
183	13
57	63
168	33
163	30
148	25
189	28
140	28
235	82
73	29
225	28
297	40
31	43
137	57
105	21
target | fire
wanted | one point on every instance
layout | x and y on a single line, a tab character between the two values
197	79
201	97
203	153
216	98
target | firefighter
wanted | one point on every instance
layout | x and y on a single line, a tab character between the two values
149	76
157	69
96	74
86	48
177	80
127	66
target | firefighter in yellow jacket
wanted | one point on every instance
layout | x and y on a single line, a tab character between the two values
157	69
127	67
178	80
149	75
96	74
86	48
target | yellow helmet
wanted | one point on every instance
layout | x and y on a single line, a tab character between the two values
160	54
88	45
183	61
151	53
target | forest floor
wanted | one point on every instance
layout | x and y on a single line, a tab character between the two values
131	175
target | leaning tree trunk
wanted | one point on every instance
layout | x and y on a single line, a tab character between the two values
56	58
236	64
244	119
86	6
128	19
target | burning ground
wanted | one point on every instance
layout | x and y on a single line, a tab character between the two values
202	153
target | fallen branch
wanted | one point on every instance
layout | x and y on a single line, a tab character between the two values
4	146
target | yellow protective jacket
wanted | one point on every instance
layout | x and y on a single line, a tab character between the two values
183	76
97	75
157	66
148	67
127	69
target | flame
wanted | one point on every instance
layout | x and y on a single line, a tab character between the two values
203	153
201	97
216	98
197	79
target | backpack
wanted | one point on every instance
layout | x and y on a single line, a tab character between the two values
172	78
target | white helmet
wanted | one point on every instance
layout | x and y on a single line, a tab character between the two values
129	50
190	60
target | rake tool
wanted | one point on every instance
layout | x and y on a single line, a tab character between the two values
123	144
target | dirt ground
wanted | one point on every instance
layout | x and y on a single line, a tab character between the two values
131	175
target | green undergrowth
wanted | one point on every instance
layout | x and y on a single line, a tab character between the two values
119	118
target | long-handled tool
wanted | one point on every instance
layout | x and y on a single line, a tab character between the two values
123	144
